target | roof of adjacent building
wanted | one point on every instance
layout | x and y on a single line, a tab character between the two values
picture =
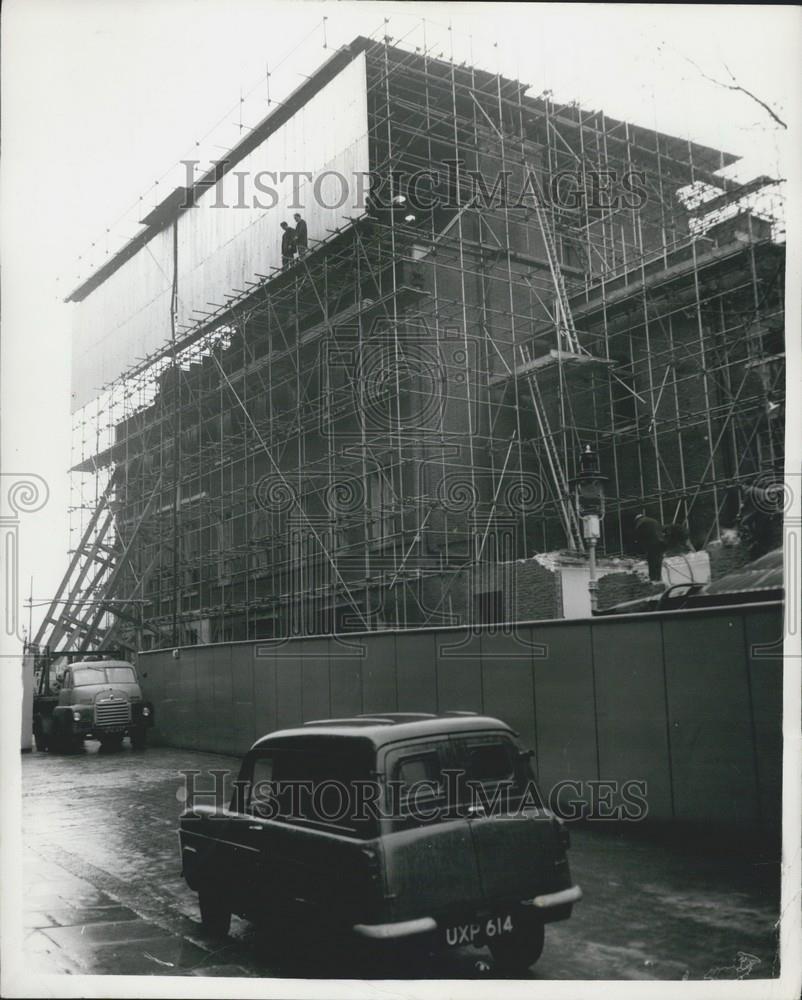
765	573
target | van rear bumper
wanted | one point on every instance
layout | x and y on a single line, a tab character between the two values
551	899
401	929
553	905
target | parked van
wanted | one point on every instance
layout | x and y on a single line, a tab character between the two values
399	827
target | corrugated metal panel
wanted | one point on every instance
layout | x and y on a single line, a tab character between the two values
314	668
566	716
206	714
289	706
459	672
378	675
263	663
712	746
222	726
242	683
346	684
186	707
507	683
764	636
631	709
724	706
417	682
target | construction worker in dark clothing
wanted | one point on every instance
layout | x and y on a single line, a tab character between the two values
650	537
287	245
301	241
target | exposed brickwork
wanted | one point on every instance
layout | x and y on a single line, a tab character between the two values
727	555
537	591
624	586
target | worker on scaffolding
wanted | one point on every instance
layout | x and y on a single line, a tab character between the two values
650	538
760	517
287	245
301	239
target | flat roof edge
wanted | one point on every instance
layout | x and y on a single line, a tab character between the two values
182	198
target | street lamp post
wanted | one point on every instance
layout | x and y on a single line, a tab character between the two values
590	510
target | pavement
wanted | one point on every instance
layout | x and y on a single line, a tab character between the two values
104	894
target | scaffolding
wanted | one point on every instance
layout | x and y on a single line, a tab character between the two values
335	445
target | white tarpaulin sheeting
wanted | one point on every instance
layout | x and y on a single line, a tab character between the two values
231	234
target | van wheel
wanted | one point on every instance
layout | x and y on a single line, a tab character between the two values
414	957
139	738
403	959
515	953
215	915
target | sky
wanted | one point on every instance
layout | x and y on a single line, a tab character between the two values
102	98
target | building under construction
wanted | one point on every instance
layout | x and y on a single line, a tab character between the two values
386	432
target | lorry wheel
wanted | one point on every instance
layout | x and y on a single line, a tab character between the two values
111	742
139	738
514	953
66	744
59	743
41	736
215	915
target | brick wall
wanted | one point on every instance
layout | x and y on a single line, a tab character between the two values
537	592
624	586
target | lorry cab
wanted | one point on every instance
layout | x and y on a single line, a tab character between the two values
95	698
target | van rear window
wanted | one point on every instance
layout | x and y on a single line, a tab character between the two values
494	764
325	787
490	762
413	770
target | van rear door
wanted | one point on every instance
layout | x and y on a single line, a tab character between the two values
429	858
516	840
318	847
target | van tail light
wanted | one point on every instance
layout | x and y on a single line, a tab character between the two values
563	835
373	869
371	856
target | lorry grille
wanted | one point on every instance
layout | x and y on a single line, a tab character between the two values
112	713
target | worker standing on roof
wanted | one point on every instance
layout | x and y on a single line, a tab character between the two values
287	245
301	241
651	540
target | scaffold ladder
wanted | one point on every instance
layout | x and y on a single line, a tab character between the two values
89	590
567	338
566	330
568	515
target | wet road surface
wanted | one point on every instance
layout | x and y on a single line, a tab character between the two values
104	894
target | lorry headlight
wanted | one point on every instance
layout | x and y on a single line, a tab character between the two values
77	716
146	711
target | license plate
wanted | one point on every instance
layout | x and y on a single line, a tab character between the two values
459	935
111	730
